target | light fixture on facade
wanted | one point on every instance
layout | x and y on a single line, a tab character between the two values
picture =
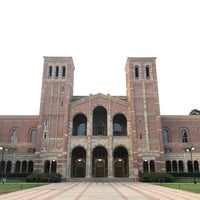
190	149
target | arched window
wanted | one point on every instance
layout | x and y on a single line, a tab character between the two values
2	166
81	129
57	71
8	167
17	166
63	71
53	166
50	72
180	166
174	166
24	166
168	166
184	135
145	166
33	136
30	166
119	125
45	122
136	71
147	71
152	166
79	125
44	135
117	129
189	166
47	166
14	136
100	121
196	166
165	135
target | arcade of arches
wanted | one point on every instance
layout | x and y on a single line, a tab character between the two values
99	124
99	162
17	167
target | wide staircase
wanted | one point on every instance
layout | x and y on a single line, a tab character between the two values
100	180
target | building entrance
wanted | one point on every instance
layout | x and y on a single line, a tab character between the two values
78	162
119	168
99	162
100	168
121	162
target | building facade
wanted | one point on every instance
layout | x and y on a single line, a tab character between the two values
99	135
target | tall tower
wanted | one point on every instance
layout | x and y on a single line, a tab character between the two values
142	93
57	90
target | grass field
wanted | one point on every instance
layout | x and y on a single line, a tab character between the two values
183	186
11	187
187	180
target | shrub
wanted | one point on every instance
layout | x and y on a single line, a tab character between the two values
156	177
44	177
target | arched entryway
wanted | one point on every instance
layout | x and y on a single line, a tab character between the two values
9	167
121	162
145	166
78	162
47	166
53	166
24	167
99	162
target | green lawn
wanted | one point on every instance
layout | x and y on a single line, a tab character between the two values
11	187
183	186
186	180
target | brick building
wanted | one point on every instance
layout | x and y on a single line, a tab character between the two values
99	135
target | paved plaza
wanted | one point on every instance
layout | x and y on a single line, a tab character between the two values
100	191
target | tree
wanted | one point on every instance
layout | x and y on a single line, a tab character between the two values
195	112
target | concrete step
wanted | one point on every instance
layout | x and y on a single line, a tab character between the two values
100	180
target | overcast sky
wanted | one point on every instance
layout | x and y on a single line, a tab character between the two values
99	35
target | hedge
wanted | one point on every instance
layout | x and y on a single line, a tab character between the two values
44	177
156	177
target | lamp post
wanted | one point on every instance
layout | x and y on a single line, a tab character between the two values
190	151
1	166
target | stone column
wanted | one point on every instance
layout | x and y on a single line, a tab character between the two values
88	161
110	163
69	157
110	143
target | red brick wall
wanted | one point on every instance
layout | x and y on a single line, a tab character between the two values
23	125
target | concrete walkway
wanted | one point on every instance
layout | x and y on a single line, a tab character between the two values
100	191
